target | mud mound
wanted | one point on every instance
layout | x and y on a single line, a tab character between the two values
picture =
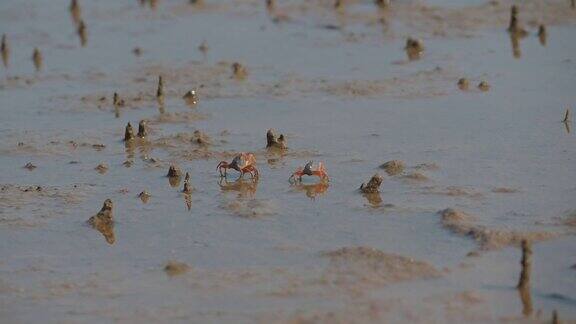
416	177
462	223
365	267
174	268
393	167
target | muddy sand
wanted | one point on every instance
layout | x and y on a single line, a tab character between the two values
459	108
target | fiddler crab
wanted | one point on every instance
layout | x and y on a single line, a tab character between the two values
309	170
243	163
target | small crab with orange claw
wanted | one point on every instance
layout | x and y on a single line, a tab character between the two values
243	163
309	170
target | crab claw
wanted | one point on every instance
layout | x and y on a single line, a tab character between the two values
296	176
308	168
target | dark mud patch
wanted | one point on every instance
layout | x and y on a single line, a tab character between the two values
462	223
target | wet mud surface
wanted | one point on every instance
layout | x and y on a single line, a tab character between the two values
460	114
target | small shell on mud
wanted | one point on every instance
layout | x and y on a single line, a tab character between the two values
187	185
101	168
191	97
239	71
142	132
483	86
272	141
174	171
30	166
414	48
463	84
37	59
174	268
373	185
144	196
128	133
137	51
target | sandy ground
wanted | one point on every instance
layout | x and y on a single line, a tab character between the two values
468	171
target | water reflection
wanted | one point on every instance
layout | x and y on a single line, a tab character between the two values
515	41
526	298
82	33
524	280
567	126
103	222
107	230
275	157
203	48
312	190
75	11
129	151
37	59
542	35
374	199
144	196
161	108
414	49
174	181
244	187
5	51
187	200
